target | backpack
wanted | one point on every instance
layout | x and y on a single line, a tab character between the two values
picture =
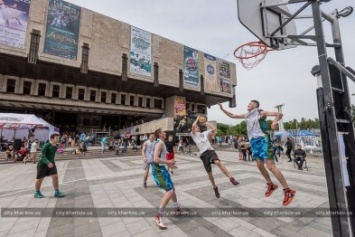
236	145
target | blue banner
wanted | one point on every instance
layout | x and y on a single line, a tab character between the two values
191	76
62	31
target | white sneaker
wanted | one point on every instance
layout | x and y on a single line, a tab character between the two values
159	222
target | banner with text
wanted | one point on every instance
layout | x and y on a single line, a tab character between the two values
62	31
191	76
13	22
210	72
141	52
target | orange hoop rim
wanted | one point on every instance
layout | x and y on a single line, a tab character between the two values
263	46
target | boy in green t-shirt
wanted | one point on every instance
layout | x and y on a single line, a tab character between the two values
46	167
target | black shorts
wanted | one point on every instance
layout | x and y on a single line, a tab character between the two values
44	170
208	158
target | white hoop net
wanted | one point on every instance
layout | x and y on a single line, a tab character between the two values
251	54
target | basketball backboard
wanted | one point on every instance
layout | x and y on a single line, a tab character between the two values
263	21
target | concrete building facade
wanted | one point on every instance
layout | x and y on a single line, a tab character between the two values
79	69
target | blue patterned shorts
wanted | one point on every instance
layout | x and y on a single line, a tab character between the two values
261	148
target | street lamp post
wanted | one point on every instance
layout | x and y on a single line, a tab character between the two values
281	124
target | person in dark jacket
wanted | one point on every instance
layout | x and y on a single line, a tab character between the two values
289	147
300	156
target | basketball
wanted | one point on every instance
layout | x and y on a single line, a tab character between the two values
202	119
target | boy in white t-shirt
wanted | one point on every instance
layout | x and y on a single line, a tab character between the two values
208	154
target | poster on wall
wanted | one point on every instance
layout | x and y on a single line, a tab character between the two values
210	72
191	67
179	106
13	22
224	77
141	52
224	70
225	86
62	29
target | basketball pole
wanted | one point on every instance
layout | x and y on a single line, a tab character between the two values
332	95
338	197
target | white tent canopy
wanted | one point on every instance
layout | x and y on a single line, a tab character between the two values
17	126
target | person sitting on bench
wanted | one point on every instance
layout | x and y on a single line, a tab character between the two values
300	156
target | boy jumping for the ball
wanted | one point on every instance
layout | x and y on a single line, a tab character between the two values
261	146
207	153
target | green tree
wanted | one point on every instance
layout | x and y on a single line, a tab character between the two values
222	129
241	128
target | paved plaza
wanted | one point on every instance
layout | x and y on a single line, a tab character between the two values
115	183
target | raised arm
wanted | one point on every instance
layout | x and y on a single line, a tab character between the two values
194	124
277	116
210	126
231	115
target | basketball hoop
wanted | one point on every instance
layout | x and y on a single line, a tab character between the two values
252	53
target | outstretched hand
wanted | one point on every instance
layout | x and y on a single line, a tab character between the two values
220	105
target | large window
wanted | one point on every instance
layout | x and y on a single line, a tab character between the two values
11	84
148	102
27	85
131	100
158	104
42	89
140	101
69	93
92	95
103	97
55	91
201	109
123	99
81	94
113	98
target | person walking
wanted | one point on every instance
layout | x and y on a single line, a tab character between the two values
289	147
148	157
103	143
46	167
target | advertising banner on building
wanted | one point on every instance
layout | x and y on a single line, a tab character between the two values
224	70
62	30
141	52
210	72
226	86
13	22
191	67
224	77
179	106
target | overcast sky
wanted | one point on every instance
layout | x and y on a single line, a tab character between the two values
212	26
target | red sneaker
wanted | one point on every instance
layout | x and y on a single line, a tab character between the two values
233	181
159	222
270	188
289	194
